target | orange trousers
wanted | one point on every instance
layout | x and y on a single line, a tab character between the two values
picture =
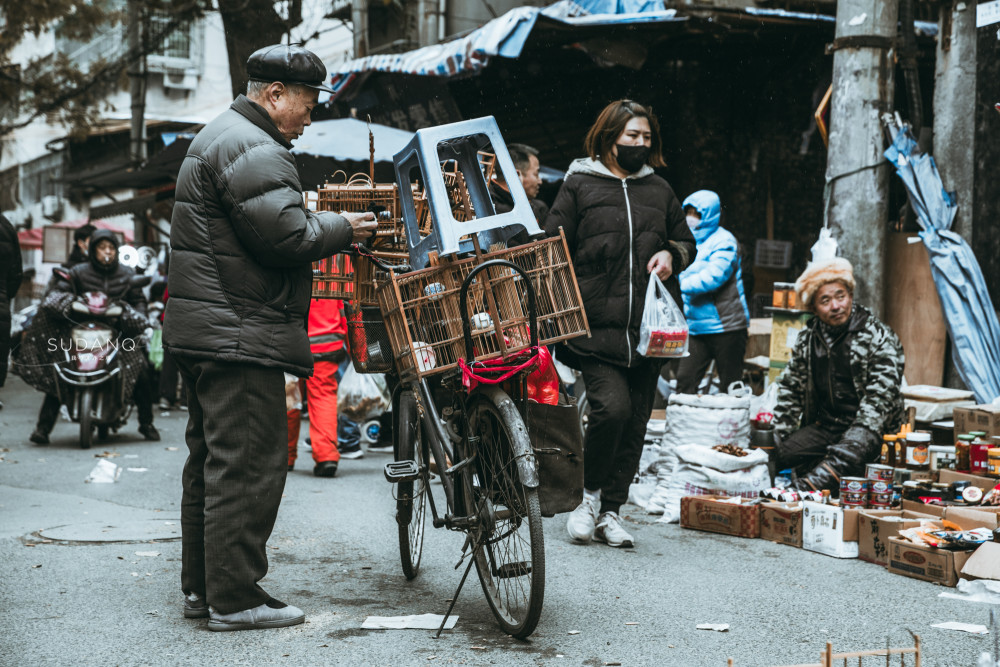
321	392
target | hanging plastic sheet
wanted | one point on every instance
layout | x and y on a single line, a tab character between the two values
968	310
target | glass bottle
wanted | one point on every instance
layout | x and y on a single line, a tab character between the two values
962	461
918	455
889	450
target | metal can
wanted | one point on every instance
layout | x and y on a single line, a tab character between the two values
854	485
853	498
788	496
880	499
877	471
878	486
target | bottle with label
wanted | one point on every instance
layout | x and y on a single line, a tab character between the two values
889	450
978	452
962	461
918	455
993	462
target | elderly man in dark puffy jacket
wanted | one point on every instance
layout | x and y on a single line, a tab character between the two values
240	285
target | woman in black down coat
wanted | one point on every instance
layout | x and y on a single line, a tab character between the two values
622	222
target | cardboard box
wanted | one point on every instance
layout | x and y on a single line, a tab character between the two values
875	527
914	506
782	523
984	483
984	563
729	518
940	566
974	517
785	328
830	529
977	418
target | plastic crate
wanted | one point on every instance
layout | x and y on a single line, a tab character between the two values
773	254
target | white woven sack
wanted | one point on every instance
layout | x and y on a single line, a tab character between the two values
706	420
703	471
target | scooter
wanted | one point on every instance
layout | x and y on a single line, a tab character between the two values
90	383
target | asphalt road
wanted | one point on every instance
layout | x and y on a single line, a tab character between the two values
68	596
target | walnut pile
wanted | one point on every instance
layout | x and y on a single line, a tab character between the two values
732	450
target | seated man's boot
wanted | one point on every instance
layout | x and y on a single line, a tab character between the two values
195	606
271	614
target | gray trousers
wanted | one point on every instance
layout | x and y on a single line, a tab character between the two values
237	436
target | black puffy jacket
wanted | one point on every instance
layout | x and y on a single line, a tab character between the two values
242	242
113	279
613	227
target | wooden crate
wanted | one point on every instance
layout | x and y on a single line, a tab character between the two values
424	320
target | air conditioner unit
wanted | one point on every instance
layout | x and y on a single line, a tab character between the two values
180	79
52	207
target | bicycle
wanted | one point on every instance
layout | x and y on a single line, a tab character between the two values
479	443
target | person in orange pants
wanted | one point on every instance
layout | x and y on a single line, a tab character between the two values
327	330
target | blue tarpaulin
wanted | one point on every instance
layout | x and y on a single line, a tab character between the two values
968	310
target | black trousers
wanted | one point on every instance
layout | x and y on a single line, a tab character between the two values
727	349
804	449
237	437
168	378
621	400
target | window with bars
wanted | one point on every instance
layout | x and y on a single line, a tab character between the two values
178	43
42	177
9	184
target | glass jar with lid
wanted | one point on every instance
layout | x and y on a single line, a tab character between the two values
888	457
979	452
962	461
918	455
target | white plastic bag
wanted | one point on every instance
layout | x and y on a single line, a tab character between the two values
664	331
361	396
703	471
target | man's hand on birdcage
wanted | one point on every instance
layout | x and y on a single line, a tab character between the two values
364	225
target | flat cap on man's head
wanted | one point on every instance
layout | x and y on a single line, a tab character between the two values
289	64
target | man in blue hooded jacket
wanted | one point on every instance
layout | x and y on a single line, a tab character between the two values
714	303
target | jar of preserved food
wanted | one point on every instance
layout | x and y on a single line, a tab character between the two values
979	452
962	461
918	456
889	450
993	462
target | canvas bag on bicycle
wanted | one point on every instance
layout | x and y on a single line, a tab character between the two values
663	332
554	431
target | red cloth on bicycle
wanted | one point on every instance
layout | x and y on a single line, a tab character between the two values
543	382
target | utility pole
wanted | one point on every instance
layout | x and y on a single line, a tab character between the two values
359	23
857	174
137	81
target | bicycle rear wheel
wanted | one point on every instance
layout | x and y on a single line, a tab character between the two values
509	554
411	497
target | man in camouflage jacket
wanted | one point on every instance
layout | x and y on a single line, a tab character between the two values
841	389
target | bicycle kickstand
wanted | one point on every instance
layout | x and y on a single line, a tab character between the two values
454	598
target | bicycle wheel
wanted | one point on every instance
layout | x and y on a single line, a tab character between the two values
411	497
509	554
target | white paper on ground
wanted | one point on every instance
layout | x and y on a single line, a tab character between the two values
964	627
980	590
414	621
105	472
718	627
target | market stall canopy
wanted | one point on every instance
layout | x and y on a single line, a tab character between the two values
31	239
346	139
504	37
968	311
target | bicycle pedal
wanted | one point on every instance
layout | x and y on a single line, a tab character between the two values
511	570
401	471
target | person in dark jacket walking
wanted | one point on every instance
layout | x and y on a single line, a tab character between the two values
240	284
622	222
714	304
102	272
10	281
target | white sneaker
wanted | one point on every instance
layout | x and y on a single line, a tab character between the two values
583	520
609	530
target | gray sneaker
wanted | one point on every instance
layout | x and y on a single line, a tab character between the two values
271	614
609	530
583	520
195	606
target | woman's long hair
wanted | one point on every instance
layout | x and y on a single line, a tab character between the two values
611	123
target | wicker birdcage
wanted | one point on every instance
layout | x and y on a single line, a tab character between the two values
333	277
359	194
422	310
369	276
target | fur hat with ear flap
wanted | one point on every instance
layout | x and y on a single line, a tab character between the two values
818	274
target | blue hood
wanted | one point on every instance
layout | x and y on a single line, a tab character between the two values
707	204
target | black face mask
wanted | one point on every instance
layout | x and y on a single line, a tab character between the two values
632	158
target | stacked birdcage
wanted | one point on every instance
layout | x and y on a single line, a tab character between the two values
424	318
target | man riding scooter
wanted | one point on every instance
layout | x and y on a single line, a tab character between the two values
102	273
